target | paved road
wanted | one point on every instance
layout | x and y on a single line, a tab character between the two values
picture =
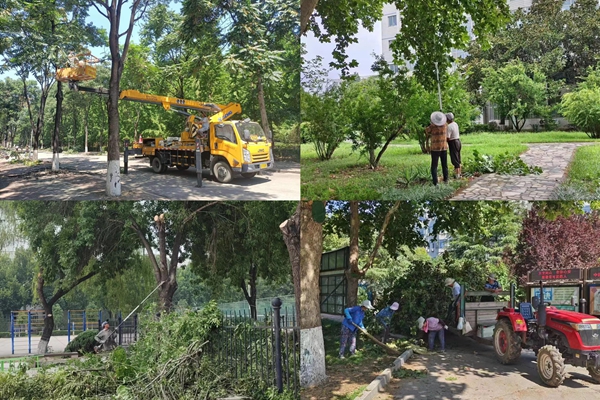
57	344
470	371
84	178
552	158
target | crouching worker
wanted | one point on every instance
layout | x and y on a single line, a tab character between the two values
434	327
384	317
106	338
354	315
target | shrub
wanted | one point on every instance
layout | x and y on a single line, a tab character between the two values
83	343
504	164
582	108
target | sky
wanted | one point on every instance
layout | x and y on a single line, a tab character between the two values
368	43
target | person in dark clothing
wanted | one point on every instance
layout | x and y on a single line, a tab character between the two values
384	317
437	141
454	144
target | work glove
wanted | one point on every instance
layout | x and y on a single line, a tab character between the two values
446	327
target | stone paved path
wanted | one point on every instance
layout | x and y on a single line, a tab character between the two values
553	158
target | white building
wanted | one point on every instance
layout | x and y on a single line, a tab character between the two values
436	244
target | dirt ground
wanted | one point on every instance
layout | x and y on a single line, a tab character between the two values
347	378
469	370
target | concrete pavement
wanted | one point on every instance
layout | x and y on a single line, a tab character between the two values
470	370
83	177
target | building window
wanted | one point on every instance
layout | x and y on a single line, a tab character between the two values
392	20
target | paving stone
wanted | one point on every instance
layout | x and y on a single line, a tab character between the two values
553	158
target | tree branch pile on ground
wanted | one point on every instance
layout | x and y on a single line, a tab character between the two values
169	362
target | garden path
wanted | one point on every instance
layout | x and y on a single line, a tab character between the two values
553	158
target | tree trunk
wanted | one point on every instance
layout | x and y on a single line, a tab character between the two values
29	110
251	296
372	160
49	318
353	272
39	127
165	295
306	9
113	173
312	347
85	128
263	108
291	237
57	124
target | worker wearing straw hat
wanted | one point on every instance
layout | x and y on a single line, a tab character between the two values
436	138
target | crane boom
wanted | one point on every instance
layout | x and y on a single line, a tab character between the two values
169	102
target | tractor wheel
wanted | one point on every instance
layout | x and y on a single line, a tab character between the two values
249	175
222	172
157	165
182	167
551	366
507	343
594	373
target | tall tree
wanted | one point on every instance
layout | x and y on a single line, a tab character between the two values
566	241
73	242
517	95
245	246
112	11
39	32
164	231
428	28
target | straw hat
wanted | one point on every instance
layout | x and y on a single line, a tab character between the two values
450	116
449	281
438	118
492	276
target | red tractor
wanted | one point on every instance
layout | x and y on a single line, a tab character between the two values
557	337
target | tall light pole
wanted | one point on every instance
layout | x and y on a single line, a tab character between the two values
437	73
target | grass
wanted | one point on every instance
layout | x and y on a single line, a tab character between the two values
583	176
366	351
404	373
352	395
347	175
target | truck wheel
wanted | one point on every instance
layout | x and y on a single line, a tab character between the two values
222	171
182	167
507	343
594	373
249	175
157	165
551	366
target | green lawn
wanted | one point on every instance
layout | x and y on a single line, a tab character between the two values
347	175
583	175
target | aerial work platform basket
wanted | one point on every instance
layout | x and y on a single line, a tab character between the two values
79	68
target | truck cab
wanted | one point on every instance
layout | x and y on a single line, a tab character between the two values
244	147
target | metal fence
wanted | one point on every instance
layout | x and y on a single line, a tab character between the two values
267	348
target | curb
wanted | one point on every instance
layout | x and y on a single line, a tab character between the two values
384	378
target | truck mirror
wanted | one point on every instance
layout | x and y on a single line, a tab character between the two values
535	302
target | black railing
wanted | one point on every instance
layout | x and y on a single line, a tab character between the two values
127	331
267	348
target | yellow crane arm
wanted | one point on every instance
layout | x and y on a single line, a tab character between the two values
226	112
169	102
